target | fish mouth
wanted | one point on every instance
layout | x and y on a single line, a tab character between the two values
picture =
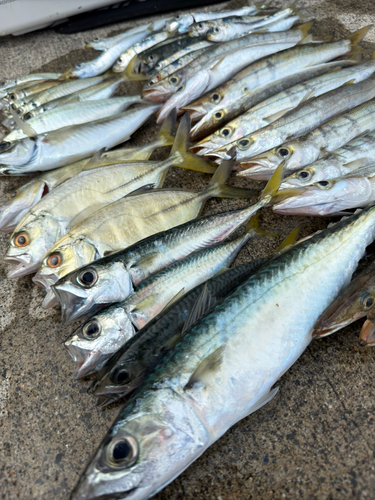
104	401
71	300
324	332
46	281
258	169
87	362
24	265
155	95
367	335
219	154
196	113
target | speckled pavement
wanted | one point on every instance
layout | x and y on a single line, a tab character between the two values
315	440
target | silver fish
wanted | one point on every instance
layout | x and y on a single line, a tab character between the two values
117	324
33	77
224	368
70	144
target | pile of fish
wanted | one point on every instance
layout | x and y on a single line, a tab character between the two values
193	344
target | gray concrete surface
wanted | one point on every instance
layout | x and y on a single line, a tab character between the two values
316	439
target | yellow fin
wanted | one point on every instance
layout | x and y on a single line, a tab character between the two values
167	130
290	239
356	37
273	184
304	29
128	72
181	145
252	228
206	368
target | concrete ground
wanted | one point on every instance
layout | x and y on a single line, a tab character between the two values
316	439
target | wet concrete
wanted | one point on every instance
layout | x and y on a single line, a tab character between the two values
314	440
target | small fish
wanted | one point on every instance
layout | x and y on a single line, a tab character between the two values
230	31
147	301
75	114
107	58
225	367
353	303
127	221
70	144
182	22
31	90
355	155
20	201
33	77
88	191
84	292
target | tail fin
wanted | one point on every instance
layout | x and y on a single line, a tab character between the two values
355	38
181	146
217	185
166	133
252	229
304	29
128	72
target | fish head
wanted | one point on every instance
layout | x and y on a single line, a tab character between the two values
86	291
17	152
200	29
32	238
180	23
68	254
162	90
19	203
96	340
204	105
82	70
144	450
262	167
304	177
326	197
350	306
221	33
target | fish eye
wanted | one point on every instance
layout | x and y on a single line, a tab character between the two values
12	195
200	26
120	60
219	115
216	30
367	301
178	17
283	152
78	66
27	116
120	376
87	278
96	40
22	240
4	146
243	143
324	184
158	66
13	97
54	260
216	97
226	132
91	330
151	57
122	452
304	175
174	80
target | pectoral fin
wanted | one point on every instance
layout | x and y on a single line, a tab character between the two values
206	368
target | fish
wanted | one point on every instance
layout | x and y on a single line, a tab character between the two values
84	292
81	196
20	201
230	31
222	57
105	43
356	154
33	77
146	302
75	114
215	73
107	59
253	149
126	56
328	197
225	367
237	95
31	90
353	303
182	22
128	367
70	144
102	90
306	149
127	221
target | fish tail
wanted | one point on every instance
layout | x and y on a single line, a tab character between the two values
304	29
130	75
252	229
355	38
217	186
181	146
166	133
